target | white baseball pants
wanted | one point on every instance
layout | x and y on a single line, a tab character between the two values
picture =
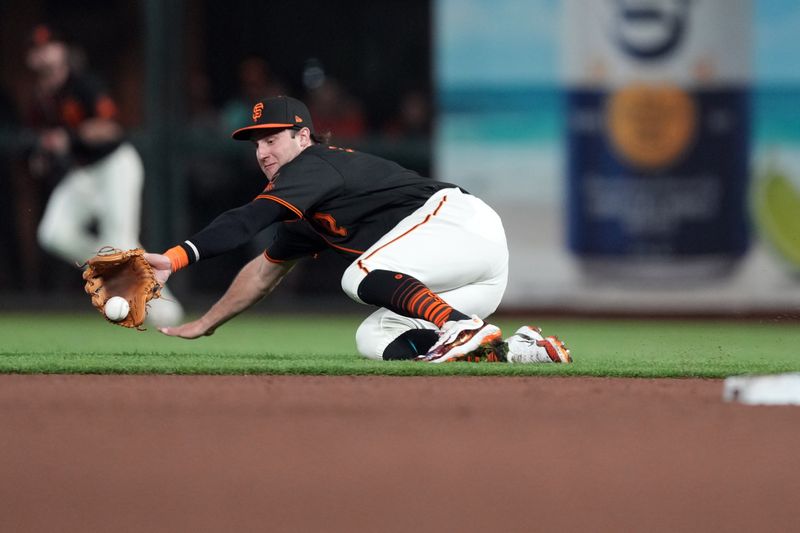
109	191
455	244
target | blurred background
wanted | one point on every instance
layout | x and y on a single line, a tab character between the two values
644	155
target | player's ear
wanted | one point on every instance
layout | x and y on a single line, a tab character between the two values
305	136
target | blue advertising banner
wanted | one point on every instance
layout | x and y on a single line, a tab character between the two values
643	155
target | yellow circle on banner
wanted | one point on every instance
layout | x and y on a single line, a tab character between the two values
651	125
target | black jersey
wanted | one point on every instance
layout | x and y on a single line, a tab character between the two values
343	199
326	197
80	98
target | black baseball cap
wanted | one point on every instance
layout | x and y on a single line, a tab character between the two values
276	113
42	34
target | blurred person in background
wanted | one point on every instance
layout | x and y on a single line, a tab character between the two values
410	126
335	110
412	120
208	173
430	256
78	143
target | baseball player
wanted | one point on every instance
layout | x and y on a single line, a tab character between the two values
430	256
100	175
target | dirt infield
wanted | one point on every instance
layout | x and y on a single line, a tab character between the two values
266	453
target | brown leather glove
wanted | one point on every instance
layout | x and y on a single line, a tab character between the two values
127	274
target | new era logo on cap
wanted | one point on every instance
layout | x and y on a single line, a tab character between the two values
276	113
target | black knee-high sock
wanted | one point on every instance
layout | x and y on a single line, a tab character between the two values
410	344
407	296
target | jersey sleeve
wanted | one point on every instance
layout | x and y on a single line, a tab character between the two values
303	183
293	240
228	231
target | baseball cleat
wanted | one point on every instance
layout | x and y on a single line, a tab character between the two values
493	352
528	345
470	339
556	349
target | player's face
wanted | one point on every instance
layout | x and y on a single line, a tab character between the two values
276	149
49	62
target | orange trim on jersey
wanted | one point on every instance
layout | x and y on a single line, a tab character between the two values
284	203
271	260
362	267
329	243
342	248
178	257
427	218
327	220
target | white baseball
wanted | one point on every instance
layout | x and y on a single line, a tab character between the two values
116	308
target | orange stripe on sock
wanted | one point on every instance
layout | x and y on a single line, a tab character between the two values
427	304
438	309
178	258
414	300
421	306
406	291
418	301
441	317
433	310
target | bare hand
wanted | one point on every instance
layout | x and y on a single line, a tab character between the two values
162	266
190	330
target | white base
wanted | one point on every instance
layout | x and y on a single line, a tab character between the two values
779	389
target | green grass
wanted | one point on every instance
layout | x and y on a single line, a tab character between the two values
323	345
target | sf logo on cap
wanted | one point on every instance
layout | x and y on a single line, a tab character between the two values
257	111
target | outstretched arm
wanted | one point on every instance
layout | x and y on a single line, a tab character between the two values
254	281
229	230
